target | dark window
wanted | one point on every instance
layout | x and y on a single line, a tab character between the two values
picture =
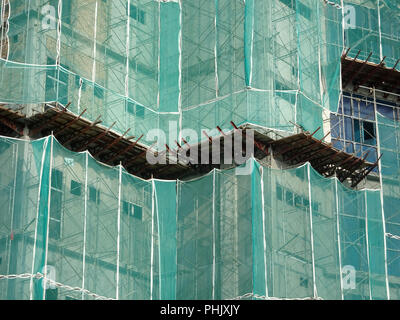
369	133
386	111
357	130
54	229
298	201
338	144
347	106
94	195
51	294
99	92
141	16
132	210
137	14
367	110
76	188
139	111
304	10
303	282
279	192
289	198
315	207
66	11
55	214
349	147
306	203
137	212
130	107
335	128
348	128
56	179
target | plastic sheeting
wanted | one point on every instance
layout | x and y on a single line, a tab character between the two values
99	232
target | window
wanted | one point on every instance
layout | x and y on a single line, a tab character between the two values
56	204
139	111
57	83
56	179
315	207
298	201
134	109
369	133
289	198
76	188
279	192
137	14
94	195
98	92
132	210
303	282
357	130
137	212
66	11
130	107
353	127
51	294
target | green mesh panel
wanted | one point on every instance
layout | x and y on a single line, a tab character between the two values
200	63
211	61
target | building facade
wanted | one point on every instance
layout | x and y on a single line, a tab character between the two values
278	229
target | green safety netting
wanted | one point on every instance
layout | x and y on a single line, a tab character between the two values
98	232
201	63
389	144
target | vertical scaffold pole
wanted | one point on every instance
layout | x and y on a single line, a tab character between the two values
264	233
37	217
367	243
119	229
311	231
381	196
152	239
338	237
85	223
213	237
48	216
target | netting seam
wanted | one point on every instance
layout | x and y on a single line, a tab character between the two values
39	276
260	297
333	4
367	243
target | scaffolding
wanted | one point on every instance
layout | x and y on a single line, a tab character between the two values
99	232
101	76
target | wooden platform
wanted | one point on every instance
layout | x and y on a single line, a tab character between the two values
356	73
78	134
328	161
